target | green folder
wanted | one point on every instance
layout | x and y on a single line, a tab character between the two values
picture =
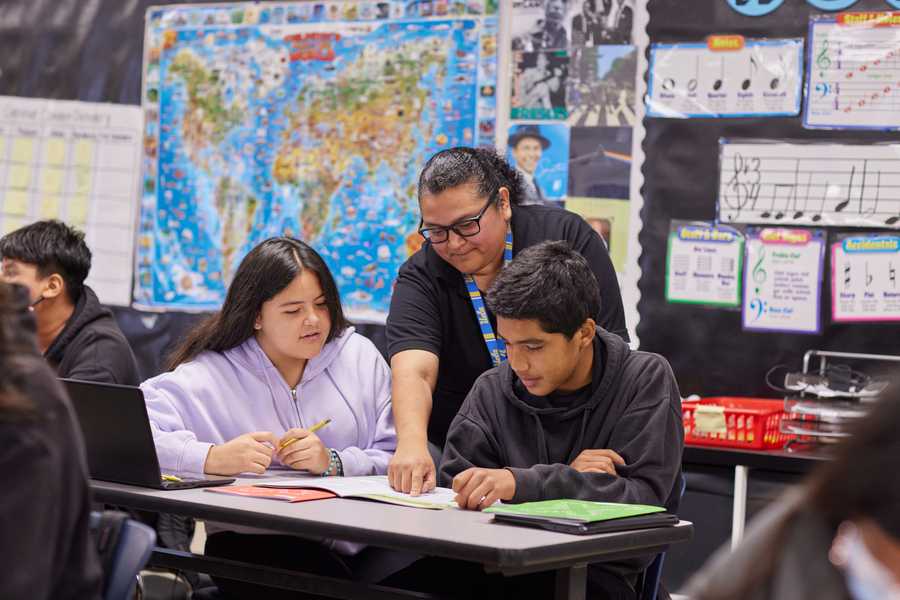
582	516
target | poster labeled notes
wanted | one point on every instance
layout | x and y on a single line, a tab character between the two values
726	76
783	279
864	278
853	71
703	264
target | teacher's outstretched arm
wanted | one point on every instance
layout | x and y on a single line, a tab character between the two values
414	374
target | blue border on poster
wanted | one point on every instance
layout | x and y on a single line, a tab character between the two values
773	42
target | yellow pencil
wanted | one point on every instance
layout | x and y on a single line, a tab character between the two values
171	478
312	429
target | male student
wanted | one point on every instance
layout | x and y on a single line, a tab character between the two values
573	413
78	336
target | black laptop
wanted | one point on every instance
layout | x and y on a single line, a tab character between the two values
119	441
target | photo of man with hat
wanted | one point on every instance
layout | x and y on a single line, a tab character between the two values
526	145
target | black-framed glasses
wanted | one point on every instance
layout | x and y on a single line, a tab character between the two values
438	234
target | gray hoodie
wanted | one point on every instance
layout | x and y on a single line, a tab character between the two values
634	408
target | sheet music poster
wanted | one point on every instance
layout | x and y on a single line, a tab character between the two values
783	279
760	78
783	183
864	278
78	162
853	71
703	264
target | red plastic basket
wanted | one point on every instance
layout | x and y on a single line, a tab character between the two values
752	423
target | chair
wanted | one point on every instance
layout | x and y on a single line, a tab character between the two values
649	583
124	546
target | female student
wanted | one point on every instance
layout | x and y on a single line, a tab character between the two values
45	544
440	335
250	382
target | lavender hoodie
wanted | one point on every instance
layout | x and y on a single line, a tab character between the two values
219	396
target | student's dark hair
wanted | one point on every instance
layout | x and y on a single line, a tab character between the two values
550	283
266	270
462	165
53	247
17	346
855	483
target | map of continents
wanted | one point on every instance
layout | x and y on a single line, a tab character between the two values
298	131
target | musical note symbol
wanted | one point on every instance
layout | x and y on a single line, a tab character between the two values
718	82
847	275
869	277
753	67
823	89
843	204
692	83
892	274
822	60
759	273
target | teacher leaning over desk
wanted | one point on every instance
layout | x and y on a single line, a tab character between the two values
440	334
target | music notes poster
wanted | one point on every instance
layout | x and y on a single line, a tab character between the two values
783	279
703	264
760	78
853	75
784	183
864	278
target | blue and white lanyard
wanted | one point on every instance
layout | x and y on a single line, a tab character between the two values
496	347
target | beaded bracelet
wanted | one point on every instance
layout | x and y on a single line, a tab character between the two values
335	466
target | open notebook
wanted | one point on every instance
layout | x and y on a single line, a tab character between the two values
582	516
373	487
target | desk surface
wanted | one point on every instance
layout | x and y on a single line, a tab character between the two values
450	533
799	461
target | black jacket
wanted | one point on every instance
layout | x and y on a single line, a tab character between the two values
92	347
45	544
635	409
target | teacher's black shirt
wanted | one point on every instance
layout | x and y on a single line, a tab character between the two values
430	307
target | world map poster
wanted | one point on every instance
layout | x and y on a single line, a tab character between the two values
301	119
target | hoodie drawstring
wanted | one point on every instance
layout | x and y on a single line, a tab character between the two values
542	440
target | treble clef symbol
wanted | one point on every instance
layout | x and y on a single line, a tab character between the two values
759	273
822	60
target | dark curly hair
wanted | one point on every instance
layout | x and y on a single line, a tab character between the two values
463	165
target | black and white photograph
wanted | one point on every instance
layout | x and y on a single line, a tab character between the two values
540	25
539	85
596	22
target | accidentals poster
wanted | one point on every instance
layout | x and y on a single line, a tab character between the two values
783	279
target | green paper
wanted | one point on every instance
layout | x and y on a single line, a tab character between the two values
582	511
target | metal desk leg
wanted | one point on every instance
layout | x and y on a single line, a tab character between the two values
571	583
739	506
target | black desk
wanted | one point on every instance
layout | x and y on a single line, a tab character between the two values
797	462
450	533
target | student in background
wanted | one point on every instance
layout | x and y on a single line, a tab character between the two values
573	413
277	359
46	548
835	538
440	337
78	336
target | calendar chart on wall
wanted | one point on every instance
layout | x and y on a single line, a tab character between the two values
77	162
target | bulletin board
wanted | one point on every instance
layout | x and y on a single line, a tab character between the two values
711	349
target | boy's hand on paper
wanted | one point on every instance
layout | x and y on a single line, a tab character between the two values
306	451
411	470
598	461
247	453
478	488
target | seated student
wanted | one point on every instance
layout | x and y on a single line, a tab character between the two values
277	359
45	544
78	336
573	413
837	537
